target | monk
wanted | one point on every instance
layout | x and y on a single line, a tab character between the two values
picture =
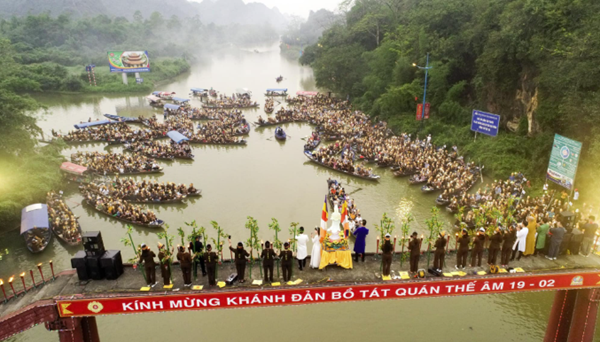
531	224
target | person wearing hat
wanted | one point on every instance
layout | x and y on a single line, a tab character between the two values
463	250
210	259
387	248
440	252
268	255
286	257
494	247
415	252
165	267
185	262
477	251
147	257
240	260
509	237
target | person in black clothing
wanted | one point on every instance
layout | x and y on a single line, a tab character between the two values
147	257
286	257
196	248
463	250
477	251
415	252
495	242
268	255
509	239
386	259
185	261
211	258
589	233
440	252
240	260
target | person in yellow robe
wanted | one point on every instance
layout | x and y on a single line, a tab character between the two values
530	244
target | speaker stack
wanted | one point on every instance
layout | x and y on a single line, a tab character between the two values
94	262
567	218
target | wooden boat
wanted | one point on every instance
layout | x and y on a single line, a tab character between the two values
441	202
279	79
212	93
308	155
280	135
122	118
404	174
245	131
153	156
269	110
77	241
268	124
201	92
276	92
237	143
256	105
35	227
158	224
428	188
312	144
141	201
130	173
413	180
203	117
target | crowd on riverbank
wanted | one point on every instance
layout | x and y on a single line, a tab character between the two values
114	163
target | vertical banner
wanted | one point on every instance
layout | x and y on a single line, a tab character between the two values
564	159
427	111
419	111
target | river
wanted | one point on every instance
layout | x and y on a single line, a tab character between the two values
268	179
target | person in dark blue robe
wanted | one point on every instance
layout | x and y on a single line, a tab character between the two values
359	244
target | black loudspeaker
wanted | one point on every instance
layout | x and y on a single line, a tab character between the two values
93	244
567	218
94	268
434	272
78	262
112	264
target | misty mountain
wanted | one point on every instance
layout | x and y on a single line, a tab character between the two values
219	12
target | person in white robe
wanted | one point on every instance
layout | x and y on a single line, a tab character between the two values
521	242
315	255
302	249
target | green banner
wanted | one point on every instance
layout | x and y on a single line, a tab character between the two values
563	161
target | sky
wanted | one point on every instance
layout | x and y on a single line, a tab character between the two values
299	7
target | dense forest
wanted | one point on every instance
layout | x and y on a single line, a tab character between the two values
301	33
535	63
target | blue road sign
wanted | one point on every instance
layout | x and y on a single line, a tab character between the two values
485	123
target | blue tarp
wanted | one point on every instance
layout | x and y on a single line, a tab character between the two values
156	92
180	99
277	89
177	137
94	123
34	216
172	106
198	90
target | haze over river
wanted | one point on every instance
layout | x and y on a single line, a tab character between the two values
268	179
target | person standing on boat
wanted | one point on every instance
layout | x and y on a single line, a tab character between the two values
147	257
165	268
211	258
302	248
315	255
240	260
185	261
361	240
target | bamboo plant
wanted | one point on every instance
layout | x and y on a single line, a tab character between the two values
405	228
253	242
274	226
434	226
293	230
136	251
168	248
385	226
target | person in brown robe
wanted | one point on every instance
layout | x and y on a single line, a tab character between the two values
477	251
494	248
210	260
440	252
147	257
240	260
463	250
509	239
163	259
268	256
386	259
415	252
185	261
286	257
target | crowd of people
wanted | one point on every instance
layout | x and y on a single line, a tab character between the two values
233	101
159	150
120	208
115	163
63	221
146	191
269	105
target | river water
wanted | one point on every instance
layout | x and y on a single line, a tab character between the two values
267	179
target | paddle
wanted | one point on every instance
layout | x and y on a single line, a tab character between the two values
270	138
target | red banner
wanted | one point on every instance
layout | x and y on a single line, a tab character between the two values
419	111
150	302
427	111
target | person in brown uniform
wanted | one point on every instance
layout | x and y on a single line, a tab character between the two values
463	250
210	260
415	252
268	256
386	259
240	260
147	257
509	239
163	259
185	261
477	251
286	257
494	248
440	252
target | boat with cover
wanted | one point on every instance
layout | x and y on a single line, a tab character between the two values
280	134
155	101
180	100
276	92
74	172
35	227
122	118
309	155
199	92
95	123
167	95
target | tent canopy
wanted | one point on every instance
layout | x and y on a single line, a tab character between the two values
180	99
307	93
277	89
177	137
198	90
73	168
94	123
153	98
172	106
34	216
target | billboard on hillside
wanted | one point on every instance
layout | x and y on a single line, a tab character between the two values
128	61
563	161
